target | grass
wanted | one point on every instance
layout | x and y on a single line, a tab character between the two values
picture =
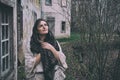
73	37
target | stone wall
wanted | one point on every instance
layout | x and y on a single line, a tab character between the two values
31	11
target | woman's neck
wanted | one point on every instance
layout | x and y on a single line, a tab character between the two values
42	37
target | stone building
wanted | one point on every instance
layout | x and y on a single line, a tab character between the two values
57	13
28	12
17	18
8	40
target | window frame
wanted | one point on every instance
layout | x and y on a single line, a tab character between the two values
5	40
48	3
63	28
63	3
10	59
50	20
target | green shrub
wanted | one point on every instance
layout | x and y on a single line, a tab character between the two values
73	37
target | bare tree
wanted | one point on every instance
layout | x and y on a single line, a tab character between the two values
96	21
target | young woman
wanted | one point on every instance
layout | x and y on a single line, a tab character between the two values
43	53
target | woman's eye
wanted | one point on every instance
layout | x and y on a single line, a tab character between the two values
45	24
40	26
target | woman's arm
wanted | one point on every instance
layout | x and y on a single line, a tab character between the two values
37	59
30	60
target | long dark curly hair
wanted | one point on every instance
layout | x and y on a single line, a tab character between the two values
47	58
36	35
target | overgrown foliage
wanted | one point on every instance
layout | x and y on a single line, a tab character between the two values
98	22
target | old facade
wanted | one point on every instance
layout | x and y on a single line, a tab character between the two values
57	13
28	12
8	40
17	18
31	11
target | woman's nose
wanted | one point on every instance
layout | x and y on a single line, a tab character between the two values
44	26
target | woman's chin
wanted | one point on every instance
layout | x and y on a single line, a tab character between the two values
44	32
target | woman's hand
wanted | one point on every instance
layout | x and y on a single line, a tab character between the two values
47	45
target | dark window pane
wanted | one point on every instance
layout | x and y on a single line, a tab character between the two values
7	59
6	18
3	48
3	17
7	32
3	64
7	46
48	2
63	26
3	32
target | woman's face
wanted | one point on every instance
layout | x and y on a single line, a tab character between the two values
42	28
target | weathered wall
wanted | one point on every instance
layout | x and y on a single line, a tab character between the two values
31	11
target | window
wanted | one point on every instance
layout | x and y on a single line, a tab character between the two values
5	51
48	2
6	41
51	22
63	27
63	3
